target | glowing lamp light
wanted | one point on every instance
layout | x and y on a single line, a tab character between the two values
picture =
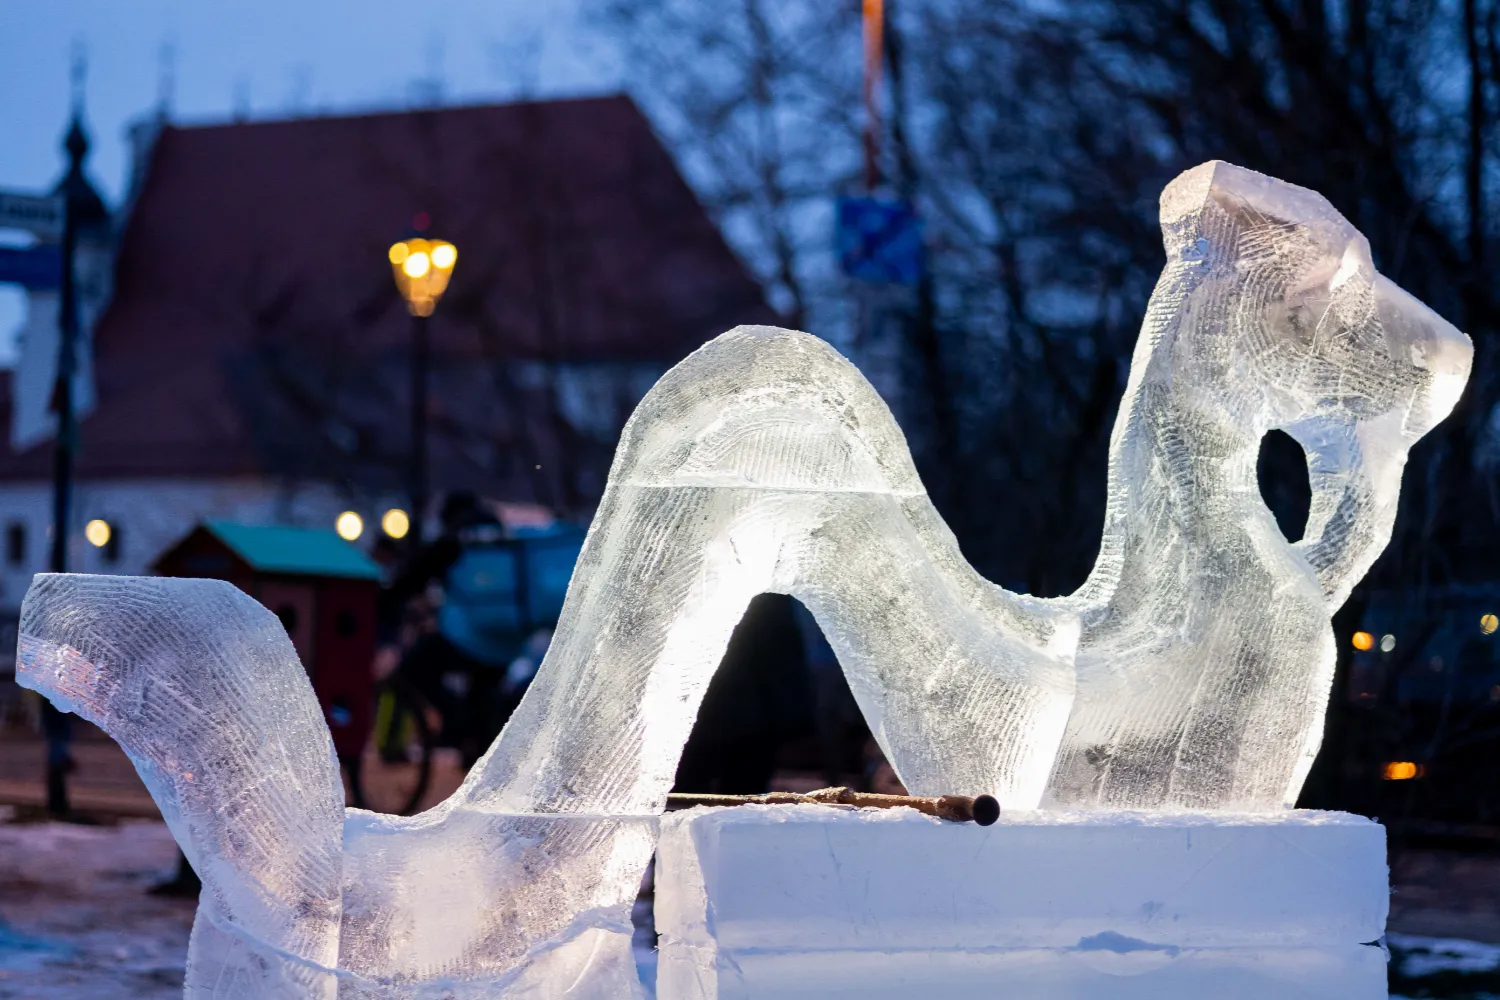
1363	641
1488	624
98	533
1387	643
349	526
415	265
395	523
1401	770
422	268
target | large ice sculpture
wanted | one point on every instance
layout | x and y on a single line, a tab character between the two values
1207	653
765	462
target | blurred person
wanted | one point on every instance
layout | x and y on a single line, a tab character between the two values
837	720
759	696
459	665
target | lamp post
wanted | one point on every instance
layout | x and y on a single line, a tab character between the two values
422	268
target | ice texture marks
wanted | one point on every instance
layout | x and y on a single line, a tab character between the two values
520	883
765	462
303	898
202	688
1207	655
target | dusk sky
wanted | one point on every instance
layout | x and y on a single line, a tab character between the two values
270	59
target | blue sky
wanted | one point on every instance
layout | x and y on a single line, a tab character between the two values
273	58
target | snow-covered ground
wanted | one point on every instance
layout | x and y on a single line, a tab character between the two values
1443	967
76	919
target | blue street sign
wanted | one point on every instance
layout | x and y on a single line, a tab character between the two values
36	268
879	242
39	214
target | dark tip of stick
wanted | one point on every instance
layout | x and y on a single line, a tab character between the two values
986	810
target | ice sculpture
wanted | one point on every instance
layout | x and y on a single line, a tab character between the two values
765	462
1207	653
302	898
762	462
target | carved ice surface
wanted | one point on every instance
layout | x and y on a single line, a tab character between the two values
1207	652
301	897
765	462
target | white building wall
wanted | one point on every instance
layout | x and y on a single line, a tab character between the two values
152	514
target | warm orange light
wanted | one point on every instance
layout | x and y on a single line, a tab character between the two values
422	268
1488	624
1401	770
416	264
395	523
349	526
1363	641
97	532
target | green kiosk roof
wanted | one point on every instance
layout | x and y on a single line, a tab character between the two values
297	551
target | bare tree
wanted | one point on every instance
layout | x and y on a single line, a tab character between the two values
759	100
1035	139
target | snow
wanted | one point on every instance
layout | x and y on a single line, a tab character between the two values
76	919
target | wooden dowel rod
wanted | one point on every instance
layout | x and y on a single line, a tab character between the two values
981	809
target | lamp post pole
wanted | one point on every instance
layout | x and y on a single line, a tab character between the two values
421	268
418	474
55	724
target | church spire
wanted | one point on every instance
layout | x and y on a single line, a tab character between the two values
75	184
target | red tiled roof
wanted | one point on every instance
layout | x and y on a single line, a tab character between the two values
254	309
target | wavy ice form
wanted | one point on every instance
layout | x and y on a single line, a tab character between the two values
1207	652
762	462
765	462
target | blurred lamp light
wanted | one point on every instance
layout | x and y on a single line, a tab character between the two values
1488	624
395	523
1387	643
422	268
349	526
415	265
1363	641
1401	770
97	532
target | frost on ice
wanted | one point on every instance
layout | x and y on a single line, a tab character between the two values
1207	653
1191	670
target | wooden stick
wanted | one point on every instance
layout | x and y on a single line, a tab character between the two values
981	809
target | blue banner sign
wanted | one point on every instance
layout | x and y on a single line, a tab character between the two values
879	242
36	268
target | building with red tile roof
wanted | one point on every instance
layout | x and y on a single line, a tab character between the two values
252	360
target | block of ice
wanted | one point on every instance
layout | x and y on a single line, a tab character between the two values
789	878
803	901
1350	972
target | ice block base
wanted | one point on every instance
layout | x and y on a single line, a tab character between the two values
814	901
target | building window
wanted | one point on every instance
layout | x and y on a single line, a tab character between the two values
15	544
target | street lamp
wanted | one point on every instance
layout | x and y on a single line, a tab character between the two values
422	268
